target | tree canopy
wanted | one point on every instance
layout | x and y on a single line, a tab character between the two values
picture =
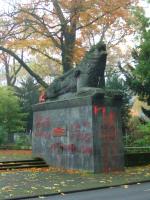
138	75
60	31
141	73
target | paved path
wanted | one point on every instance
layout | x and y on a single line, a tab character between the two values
131	192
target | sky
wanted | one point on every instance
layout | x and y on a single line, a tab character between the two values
146	7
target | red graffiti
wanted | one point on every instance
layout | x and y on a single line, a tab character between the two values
108	135
86	124
82	136
76	126
112	117
58	131
97	109
42	122
43	134
71	148
103	111
87	150
108	126
56	146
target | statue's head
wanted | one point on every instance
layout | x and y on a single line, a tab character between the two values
91	70
96	52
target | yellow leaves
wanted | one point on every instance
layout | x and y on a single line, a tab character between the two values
102	181
78	53
125	186
84	16
29	42
34	188
47	188
7	188
45	170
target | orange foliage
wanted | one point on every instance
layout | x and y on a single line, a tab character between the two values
14	152
44	169
19	44
52	26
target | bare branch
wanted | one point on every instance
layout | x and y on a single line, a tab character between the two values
46	55
25	66
59	12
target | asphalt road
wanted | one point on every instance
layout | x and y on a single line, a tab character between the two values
131	192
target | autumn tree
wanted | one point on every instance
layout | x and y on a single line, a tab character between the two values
62	30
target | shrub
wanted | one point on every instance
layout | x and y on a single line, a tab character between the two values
144	130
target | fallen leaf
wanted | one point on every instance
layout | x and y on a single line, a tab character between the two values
125	186
33	188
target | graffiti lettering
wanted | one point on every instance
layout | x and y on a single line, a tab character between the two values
71	148
81	136
43	134
42	122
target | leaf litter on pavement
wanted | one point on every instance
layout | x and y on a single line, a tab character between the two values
40	181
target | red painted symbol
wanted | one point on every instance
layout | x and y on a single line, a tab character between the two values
58	131
97	109
112	117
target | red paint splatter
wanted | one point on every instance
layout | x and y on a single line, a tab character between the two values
112	117
58	131
71	148
87	150
96	110
103	110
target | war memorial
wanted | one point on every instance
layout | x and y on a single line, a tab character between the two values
79	124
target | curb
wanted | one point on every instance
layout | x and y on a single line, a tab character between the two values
75	191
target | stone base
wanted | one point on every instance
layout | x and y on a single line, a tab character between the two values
80	133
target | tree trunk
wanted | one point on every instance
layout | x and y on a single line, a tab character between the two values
67	47
67	58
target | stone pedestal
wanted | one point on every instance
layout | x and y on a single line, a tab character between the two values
80	133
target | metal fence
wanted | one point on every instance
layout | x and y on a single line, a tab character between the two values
137	149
